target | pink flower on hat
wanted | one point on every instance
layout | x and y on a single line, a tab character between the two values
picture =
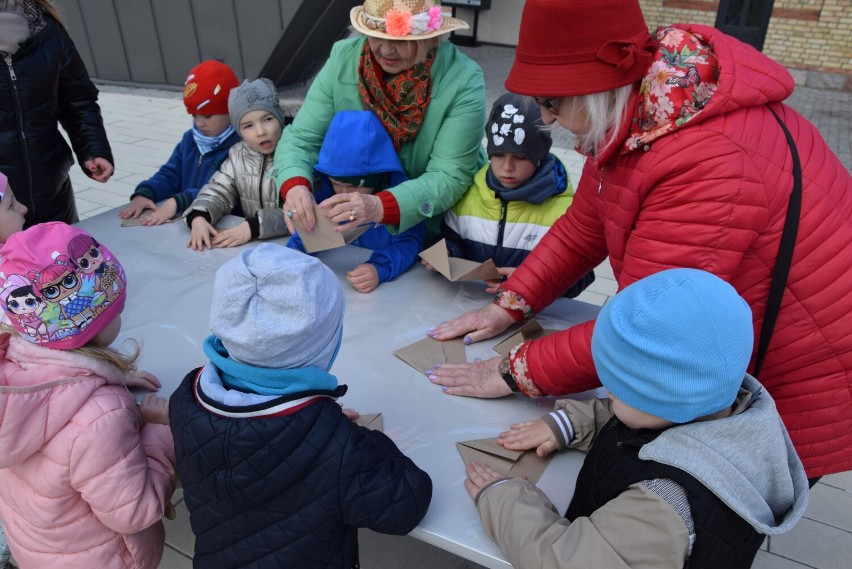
435	15
398	23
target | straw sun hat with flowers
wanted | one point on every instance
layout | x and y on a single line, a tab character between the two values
403	19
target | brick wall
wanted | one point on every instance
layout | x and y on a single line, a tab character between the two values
809	36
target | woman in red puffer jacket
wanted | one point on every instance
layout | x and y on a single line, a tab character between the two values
687	167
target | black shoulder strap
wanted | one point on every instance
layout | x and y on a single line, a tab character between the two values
785	253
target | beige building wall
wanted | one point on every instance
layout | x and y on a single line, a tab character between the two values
813	35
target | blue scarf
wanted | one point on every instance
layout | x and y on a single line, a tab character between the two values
550	179
265	381
207	143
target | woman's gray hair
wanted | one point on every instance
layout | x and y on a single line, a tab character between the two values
606	113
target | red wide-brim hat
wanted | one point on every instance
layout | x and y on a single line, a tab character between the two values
576	47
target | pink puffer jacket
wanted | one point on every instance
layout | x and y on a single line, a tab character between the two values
81	484
713	195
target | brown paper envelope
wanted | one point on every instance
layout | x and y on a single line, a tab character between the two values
372	421
427	352
456	269
324	236
532	330
135	221
514	463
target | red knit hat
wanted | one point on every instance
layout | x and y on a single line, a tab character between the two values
577	47
206	89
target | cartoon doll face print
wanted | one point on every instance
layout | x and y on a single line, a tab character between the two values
60	288
25	304
89	262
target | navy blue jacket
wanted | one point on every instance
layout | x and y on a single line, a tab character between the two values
288	490
185	172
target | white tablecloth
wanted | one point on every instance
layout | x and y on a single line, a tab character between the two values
167	312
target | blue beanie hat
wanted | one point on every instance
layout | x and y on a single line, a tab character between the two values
275	307
675	344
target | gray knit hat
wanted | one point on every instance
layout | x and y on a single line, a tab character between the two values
515	126
257	95
275	307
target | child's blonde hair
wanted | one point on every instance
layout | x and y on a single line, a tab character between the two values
94	349
124	362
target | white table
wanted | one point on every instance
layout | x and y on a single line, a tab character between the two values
167	311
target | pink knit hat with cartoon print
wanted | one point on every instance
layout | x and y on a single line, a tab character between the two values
59	286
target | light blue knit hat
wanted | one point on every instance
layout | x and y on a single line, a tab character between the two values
275	307
675	344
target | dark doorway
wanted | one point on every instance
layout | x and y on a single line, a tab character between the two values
746	20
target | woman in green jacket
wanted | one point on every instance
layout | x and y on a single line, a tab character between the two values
428	95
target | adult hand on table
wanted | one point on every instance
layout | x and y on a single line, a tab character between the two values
482	323
477	379
299	209
349	210
478	477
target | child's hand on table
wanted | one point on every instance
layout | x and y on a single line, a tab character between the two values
233	237
154	409
161	214
529	434
494	284
136	206
364	277
479	476
201	234
143	380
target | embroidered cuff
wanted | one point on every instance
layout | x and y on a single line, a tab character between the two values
560	424
520	371
292	183
514	303
391	208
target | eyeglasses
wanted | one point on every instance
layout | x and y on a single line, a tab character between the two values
549	103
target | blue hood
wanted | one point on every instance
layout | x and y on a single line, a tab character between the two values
356	144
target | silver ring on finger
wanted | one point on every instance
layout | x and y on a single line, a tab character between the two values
352	216
291	213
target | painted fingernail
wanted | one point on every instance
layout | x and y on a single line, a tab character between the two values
430	330
428	372
467	340
433	378
437	366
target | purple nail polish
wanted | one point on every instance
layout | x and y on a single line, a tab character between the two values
428	372
466	340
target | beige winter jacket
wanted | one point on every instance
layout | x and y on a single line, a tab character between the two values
520	518
243	176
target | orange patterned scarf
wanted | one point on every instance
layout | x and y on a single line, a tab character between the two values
399	101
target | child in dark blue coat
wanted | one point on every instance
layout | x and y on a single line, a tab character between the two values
274	472
357	155
200	152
